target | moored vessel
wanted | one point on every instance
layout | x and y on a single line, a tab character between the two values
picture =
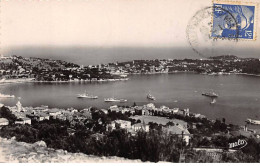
112	99
150	97
210	94
255	122
85	95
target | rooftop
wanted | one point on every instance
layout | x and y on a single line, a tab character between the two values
177	130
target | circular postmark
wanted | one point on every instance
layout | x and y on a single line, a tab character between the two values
205	32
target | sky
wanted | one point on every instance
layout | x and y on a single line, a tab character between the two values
51	25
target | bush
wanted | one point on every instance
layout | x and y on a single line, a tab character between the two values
6	113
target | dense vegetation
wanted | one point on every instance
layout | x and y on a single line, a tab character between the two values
49	70
7	114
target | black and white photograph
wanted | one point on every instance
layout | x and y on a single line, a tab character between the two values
129	81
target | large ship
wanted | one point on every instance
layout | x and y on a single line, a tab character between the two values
210	94
85	95
151	97
255	122
112	99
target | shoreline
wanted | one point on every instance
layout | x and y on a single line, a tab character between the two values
123	79
105	80
256	75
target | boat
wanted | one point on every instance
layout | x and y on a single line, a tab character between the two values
213	101
123	100
151	97
6	96
85	95
255	122
210	94
112	99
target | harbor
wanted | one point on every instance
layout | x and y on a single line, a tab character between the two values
172	92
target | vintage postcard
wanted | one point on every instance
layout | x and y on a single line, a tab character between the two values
129	81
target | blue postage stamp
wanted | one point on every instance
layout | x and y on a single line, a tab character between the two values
231	20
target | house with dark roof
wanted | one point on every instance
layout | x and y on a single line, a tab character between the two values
23	120
180	131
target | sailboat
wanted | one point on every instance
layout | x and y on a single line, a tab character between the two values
150	96
213	101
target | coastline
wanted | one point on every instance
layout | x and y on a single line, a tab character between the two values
25	81
256	75
105	80
121	79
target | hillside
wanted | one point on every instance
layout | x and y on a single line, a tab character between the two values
13	151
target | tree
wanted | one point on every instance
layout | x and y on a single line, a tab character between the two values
223	120
6	113
170	123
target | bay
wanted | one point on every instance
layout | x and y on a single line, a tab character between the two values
239	95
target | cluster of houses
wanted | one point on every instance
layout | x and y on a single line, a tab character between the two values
150	109
38	69
25	115
226	65
138	67
127	125
178	129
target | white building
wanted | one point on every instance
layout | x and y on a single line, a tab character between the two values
41	117
150	106
180	131
124	110
123	124
23	120
186	112
114	108
146	112
111	126
175	110
19	106
140	126
105	111
3	122
54	112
